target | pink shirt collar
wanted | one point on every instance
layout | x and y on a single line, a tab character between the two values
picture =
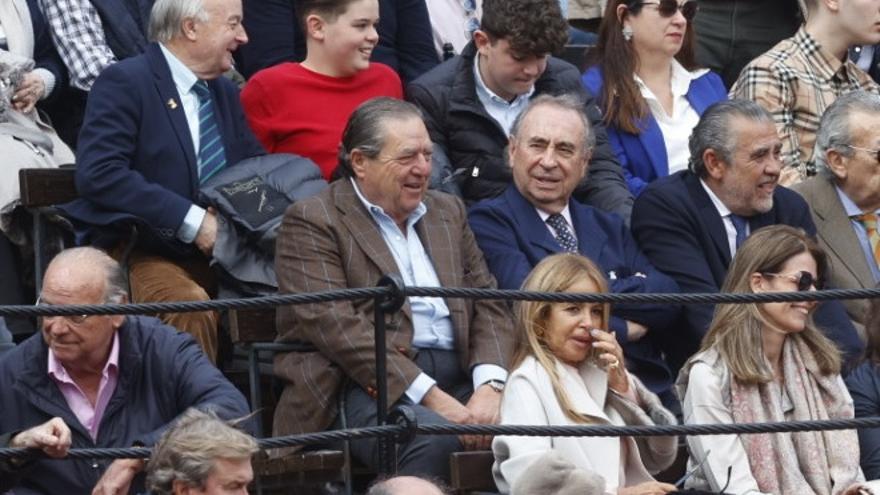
89	415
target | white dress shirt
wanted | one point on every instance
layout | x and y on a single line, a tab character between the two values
677	126
725	217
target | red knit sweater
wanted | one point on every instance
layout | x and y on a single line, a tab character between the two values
294	110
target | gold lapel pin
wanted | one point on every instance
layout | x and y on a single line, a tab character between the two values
171	103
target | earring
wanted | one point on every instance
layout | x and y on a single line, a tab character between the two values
627	33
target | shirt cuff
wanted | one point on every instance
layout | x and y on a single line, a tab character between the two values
419	387
191	223
487	372
48	81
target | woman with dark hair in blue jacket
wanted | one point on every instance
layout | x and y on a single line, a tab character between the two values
649	87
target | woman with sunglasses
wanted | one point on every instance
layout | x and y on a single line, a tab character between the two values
767	362
649	87
569	370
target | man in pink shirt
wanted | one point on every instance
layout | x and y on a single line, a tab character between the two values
98	381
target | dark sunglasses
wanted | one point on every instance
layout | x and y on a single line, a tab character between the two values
668	8
802	279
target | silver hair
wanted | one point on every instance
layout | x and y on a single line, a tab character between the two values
167	16
189	449
713	131
115	282
365	130
834	128
568	101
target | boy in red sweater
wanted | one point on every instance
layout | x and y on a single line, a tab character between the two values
302	107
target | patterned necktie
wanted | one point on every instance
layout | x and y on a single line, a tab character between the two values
741	225
563	235
869	221
212	156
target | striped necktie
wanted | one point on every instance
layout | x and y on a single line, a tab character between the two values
212	156
869	221
563	234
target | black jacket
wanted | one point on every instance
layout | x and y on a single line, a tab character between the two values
251	198
471	141
161	373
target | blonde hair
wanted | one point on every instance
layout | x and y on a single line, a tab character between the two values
556	273
735	331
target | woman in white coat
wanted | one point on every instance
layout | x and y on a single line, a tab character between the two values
569	370
768	362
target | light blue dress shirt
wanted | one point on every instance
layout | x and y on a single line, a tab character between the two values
504	112
432	326
851	209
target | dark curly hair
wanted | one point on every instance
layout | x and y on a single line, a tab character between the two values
532	27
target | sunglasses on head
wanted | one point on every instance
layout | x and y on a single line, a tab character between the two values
668	8
802	279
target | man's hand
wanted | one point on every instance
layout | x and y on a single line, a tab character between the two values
446	406
207	234
52	437
485	404
635	331
117	478
28	93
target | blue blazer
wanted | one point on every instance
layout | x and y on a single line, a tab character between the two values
643	156
514	239
679	229
135	158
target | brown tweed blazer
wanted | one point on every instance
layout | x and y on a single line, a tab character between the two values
330	241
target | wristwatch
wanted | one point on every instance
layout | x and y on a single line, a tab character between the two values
497	385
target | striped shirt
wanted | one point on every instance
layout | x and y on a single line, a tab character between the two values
796	81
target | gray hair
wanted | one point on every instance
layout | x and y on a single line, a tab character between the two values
365	130
188	450
167	16
713	131
834	130
567	101
398	484
115	281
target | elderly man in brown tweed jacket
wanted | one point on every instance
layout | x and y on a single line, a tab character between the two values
446	357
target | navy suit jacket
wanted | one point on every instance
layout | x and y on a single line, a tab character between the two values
135	159
643	156
678	227
514	239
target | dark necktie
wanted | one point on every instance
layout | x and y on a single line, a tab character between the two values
212	156
741	225
563	235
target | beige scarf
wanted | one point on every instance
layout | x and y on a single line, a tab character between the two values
805	463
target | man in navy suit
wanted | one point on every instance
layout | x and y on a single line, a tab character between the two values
156	125
550	146
689	224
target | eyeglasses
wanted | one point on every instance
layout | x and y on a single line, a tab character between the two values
668	8
75	319
803	279
869	150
